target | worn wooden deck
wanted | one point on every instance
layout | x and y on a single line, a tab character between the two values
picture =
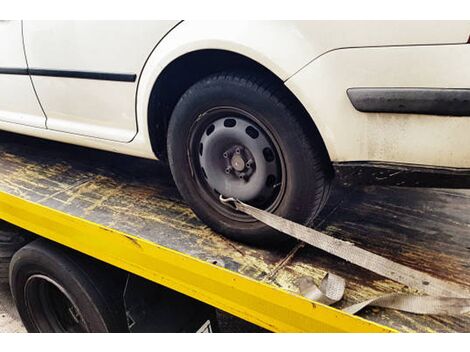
427	229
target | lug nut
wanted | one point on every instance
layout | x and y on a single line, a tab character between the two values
225	155
241	176
228	170
248	163
238	151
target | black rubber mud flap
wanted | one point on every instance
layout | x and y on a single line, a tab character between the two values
154	308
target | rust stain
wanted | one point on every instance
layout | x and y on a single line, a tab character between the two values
133	240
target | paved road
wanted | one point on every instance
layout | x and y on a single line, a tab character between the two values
9	320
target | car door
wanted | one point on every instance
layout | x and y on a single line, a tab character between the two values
86	72
18	102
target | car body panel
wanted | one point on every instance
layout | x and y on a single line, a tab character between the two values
284	47
95	108
318	60
351	135
18	103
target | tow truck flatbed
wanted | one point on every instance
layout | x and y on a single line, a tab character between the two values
127	212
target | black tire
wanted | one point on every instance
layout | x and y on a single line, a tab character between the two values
302	168
11	239
58	290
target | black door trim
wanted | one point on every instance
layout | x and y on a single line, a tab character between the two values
426	101
13	71
102	76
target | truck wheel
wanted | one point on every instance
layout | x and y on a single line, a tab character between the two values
11	239
58	290
241	136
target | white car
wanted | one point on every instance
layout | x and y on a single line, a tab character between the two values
260	111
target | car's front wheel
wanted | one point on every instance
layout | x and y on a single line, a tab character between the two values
239	135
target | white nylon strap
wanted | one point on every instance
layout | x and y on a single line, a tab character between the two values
331	290
447	297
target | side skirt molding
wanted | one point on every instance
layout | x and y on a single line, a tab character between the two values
396	174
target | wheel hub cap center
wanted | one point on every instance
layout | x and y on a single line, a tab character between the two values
237	162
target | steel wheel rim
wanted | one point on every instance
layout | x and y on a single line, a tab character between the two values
222	118
50	307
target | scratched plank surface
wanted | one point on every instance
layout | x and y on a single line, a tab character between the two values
428	229
132	195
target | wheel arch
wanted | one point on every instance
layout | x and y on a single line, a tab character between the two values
188	69
191	51
182	73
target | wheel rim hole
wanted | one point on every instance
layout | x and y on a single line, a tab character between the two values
270	180
252	132
268	154
230	123
201	147
210	129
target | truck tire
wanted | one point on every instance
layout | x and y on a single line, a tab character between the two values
11	239
58	290
243	135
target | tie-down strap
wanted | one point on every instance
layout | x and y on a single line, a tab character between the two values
441	297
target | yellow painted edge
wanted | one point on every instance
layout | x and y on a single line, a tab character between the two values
262	304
